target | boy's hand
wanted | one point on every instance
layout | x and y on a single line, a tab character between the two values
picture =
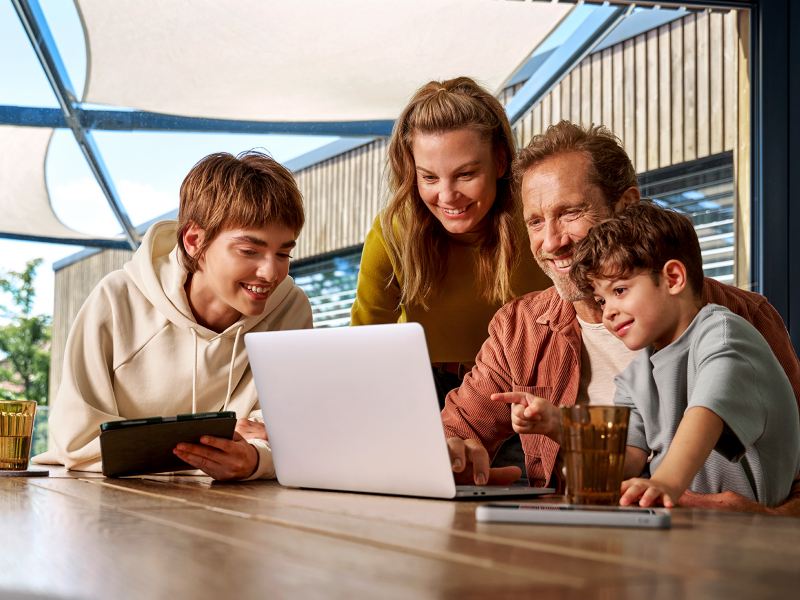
648	492
250	429
532	414
222	459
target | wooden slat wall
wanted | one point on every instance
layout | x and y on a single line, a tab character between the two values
670	94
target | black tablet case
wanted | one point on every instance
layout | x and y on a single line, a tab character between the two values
148	448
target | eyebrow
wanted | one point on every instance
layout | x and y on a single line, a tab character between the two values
472	163
259	242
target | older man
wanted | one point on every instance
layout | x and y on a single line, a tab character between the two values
549	349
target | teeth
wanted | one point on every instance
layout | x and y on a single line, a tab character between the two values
563	263
454	211
257	289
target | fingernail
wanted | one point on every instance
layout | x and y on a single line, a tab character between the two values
481	479
457	463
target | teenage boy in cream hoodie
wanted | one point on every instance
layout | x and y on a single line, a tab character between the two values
163	335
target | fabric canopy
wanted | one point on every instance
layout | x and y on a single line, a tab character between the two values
303	60
24	202
270	60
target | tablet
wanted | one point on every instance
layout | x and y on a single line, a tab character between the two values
138	446
573	514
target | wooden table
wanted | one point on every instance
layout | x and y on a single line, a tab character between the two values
83	536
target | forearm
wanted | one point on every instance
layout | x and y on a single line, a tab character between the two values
694	440
635	461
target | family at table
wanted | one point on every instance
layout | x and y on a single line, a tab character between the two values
542	280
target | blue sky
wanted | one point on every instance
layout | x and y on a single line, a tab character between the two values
147	167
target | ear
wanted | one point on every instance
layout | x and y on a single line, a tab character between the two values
629	197
193	237
674	276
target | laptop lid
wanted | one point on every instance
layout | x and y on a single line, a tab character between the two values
353	409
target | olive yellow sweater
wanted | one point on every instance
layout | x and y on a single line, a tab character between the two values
456	324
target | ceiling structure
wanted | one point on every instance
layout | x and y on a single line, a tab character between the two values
317	67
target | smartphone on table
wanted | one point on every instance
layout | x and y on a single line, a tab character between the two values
573	514
138	446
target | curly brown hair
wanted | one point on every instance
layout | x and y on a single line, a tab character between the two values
643	237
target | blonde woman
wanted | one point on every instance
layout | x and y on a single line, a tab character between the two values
449	248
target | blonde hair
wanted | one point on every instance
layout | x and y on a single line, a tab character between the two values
222	191
415	239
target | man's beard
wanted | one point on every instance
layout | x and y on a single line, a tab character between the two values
563	283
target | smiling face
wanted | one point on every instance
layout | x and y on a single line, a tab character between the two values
237	272
639	309
456	177
559	207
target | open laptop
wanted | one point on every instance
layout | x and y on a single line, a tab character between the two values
355	409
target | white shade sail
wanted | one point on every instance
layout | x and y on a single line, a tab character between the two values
270	60
24	203
302	60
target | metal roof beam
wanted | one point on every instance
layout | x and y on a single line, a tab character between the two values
128	120
594	28
33	21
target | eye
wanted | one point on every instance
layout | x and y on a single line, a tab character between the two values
618	291
466	175
247	252
535	222
428	178
284	256
600	302
571	215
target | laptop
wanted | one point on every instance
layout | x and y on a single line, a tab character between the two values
355	409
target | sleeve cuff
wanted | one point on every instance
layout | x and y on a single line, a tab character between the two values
265	468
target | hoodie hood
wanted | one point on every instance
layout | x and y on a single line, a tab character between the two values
158	271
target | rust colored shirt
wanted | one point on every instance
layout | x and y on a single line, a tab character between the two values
534	346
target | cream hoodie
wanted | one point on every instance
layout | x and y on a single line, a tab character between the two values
135	350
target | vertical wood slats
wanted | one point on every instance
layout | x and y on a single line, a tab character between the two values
670	93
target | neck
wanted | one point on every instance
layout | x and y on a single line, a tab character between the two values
207	310
588	311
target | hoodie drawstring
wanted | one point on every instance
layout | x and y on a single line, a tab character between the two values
230	370
194	373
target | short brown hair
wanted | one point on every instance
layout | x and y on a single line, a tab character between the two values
222	191
610	168
643	237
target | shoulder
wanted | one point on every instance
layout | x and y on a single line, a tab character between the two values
718	328
741	302
535	307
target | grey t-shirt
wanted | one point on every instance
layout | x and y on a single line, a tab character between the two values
722	363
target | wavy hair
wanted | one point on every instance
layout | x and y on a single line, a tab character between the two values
415	239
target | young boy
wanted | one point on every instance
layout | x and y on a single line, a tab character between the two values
708	398
163	335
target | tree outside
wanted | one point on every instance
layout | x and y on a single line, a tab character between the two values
24	346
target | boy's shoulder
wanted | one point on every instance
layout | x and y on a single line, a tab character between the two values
717	327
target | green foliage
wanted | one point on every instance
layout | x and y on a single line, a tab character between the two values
24	339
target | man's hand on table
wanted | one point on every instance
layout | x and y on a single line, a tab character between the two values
532	414
470	463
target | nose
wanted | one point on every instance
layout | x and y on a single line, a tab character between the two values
267	270
555	237
448	193
610	310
